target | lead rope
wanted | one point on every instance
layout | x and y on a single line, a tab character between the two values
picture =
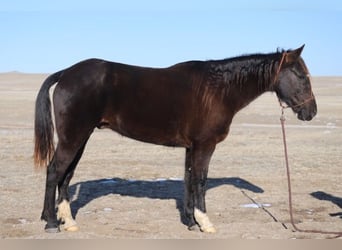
337	234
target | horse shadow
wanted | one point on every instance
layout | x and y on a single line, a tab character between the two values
320	195
165	189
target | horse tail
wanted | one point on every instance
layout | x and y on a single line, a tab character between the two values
43	125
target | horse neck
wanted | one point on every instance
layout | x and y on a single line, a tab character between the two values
245	79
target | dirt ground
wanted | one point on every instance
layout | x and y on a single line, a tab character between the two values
128	189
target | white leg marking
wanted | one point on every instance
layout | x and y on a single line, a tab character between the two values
204	222
64	214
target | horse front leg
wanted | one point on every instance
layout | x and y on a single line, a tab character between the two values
188	192
196	171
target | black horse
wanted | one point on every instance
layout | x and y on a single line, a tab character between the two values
190	105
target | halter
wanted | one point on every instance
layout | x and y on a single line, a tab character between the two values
276	78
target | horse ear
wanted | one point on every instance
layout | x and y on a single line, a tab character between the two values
293	55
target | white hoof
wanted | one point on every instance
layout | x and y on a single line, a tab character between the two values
211	229
74	228
204	222
70	225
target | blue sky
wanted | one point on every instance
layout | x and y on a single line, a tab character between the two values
40	36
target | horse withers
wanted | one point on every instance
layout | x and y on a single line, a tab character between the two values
190	105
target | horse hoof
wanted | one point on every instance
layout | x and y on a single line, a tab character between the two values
209	230
52	230
193	228
73	228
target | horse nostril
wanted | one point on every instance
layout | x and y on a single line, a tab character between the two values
305	115
315	111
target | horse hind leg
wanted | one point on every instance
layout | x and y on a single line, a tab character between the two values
48	213
60	172
64	214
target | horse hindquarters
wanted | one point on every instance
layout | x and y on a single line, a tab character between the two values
77	112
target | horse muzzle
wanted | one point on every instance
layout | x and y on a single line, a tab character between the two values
307	111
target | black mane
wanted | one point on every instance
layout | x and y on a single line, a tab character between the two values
238	70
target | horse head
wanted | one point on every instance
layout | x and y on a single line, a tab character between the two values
293	85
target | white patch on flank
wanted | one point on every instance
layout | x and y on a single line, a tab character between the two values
204	222
64	214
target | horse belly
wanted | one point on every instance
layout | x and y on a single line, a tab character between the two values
156	131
